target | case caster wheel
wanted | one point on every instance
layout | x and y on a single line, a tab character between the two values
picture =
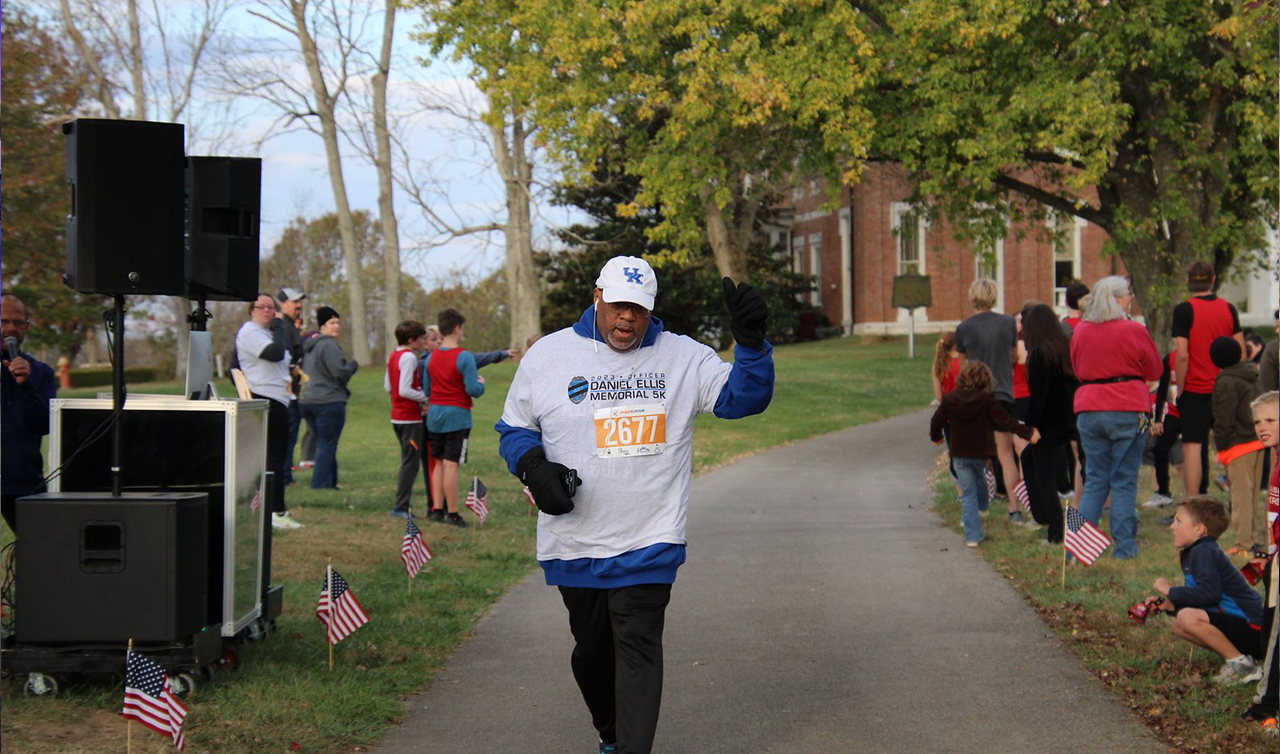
255	632
40	684
230	659
182	684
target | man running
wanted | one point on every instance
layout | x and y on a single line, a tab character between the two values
605	409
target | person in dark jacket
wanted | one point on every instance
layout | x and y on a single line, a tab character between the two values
26	387
1051	411
324	399
1215	608
974	414
1234	389
290	308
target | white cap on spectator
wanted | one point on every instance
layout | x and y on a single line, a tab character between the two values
290	294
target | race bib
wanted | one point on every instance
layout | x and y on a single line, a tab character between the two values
628	431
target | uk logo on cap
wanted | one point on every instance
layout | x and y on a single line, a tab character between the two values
629	279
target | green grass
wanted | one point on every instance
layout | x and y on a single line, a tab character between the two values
285	698
1167	686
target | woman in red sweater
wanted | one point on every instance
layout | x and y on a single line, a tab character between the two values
1113	357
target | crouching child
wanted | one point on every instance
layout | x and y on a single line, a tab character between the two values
1215	608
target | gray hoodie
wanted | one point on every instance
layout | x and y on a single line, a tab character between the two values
327	370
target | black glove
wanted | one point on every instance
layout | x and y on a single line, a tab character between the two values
747	313
551	484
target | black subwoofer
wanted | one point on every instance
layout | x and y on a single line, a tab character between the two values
95	568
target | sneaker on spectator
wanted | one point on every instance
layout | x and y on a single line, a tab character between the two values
1240	669
1017	518
453	519
284	521
608	748
972	545
399	513
1158	500
436	515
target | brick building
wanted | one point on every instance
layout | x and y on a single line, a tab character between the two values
856	250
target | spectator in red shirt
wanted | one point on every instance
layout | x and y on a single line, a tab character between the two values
1196	322
1113	357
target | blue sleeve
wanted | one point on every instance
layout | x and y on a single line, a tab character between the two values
423	377
486	358
514	442
470	379
1205	588
750	386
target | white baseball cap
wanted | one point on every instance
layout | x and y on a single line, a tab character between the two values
628	279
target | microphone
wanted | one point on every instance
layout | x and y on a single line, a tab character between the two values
11	346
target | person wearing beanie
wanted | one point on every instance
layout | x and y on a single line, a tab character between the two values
324	400
1234	389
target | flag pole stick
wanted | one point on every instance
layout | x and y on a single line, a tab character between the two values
328	576
128	736
1064	547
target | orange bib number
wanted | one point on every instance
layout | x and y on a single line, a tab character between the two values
629	431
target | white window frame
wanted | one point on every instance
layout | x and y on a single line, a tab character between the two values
897	211
999	276
1077	233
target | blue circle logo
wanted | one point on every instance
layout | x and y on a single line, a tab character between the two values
578	389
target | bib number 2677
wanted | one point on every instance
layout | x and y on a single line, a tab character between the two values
628	431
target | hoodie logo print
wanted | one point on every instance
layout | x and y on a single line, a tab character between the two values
578	389
633	275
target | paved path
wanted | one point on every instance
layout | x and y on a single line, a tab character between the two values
823	609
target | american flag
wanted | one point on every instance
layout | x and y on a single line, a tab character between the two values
991	483
478	499
347	614
1083	538
413	551
1024	497
148	700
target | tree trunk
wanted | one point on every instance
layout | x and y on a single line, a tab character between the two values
382	161
730	257
135	63
346	227
523	293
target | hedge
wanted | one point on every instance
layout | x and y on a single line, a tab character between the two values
94	376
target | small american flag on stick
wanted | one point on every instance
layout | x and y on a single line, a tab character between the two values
1024	497
338	609
149	700
413	551
1083	539
478	499
991	483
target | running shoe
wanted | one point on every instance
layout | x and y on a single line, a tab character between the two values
436	515
399	513
608	748
1158	500
284	521
1016	518
453	519
1240	669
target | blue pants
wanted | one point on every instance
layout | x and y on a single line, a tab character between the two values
326	421
1113	441
973	495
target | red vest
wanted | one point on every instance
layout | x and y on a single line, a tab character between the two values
403	409
447	387
1020	387
1209	320
1171	406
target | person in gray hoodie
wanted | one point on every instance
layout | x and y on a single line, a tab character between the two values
324	397
1234	389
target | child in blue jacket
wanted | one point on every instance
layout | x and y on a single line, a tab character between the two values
1215	608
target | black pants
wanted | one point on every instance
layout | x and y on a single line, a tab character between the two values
617	659
1164	443
411	455
1039	470
1269	687
277	447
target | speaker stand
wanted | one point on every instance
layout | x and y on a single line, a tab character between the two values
115	325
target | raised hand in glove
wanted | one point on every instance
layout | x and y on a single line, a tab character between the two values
747	313
551	484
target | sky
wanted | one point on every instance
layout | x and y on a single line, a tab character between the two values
466	187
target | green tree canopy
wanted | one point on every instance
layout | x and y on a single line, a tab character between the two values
41	91
1154	120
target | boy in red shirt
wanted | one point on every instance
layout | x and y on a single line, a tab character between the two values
451	383
404	384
